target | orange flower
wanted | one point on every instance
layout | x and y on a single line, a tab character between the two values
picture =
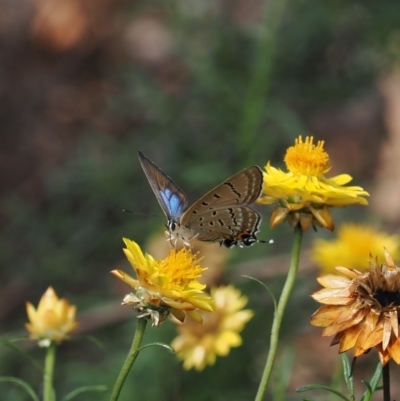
362	309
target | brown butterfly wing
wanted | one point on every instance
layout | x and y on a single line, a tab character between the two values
233	224
222	215
241	189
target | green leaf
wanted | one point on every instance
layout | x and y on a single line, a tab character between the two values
83	389
373	385
260	282
376	378
94	340
9	343
347	373
369	388
20	383
321	387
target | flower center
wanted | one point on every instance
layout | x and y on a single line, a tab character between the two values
305	158
386	298
181	267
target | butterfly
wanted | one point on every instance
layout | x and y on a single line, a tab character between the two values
221	215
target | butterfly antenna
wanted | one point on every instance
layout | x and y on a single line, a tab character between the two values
271	241
140	214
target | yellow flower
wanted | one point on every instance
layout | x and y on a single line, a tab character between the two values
353	247
303	194
53	319
199	346
362	309
215	256
165	286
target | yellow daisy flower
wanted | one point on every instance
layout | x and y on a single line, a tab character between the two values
352	247
215	256
165	286
199	346
53	319
303	194
362	309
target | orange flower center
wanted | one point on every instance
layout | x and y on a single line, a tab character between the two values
305	158
181	267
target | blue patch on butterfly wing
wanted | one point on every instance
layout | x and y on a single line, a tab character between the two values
172	202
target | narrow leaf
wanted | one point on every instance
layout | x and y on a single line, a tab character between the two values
22	384
84	389
321	387
9	344
169	348
266	287
376	378
347	373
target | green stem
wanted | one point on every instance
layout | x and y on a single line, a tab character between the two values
48	391
386	382
130	359
279	312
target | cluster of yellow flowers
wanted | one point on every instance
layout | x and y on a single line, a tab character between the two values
361	307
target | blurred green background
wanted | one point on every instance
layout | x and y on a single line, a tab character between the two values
204	89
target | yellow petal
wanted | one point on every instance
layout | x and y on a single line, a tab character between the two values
349	338
394	322
368	337
334	328
278	215
333	281
305	221
195	315
394	350
387	331
126	278
334	296
352	273
323	216
326	315
179	314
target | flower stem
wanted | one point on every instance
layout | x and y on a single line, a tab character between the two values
130	359
386	382
48	391
279	312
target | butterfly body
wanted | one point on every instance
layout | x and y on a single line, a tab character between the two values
221	215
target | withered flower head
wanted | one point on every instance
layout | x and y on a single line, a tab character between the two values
361	309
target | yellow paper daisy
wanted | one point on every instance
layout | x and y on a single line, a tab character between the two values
165	286
53	320
362	309
303	194
353	246
199	346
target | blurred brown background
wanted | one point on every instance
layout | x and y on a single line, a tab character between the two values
203	88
